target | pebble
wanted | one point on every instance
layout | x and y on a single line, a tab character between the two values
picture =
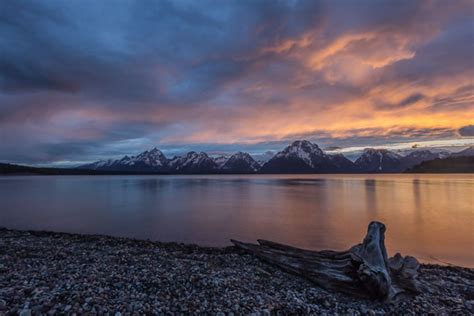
25	312
53	273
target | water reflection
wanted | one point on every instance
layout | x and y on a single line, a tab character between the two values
371	197
427	216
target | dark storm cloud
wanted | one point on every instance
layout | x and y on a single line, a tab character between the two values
146	47
447	54
410	100
81	80
467	130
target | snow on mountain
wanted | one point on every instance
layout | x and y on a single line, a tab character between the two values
155	161
126	161
153	158
304	150
193	162
261	162
104	163
220	160
241	163
98	165
417	157
379	160
303	156
342	163
299	157
176	162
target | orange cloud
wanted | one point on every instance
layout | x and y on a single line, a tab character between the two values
353	58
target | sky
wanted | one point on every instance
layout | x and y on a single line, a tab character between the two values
86	80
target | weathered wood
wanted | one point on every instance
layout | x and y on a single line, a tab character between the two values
364	270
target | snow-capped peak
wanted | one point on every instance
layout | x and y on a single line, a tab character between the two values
190	159
241	160
304	150
379	160
154	158
126	160
370	153
100	164
103	163
241	155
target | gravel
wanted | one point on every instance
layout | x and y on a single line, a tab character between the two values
57	273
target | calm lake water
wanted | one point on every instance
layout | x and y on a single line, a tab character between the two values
428	216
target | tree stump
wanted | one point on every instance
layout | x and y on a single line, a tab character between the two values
364	270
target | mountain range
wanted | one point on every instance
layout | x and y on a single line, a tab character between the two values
300	156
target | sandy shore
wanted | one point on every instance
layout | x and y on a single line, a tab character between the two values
48	273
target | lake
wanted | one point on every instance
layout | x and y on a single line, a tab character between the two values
428	216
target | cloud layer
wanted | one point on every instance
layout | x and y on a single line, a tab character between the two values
82	80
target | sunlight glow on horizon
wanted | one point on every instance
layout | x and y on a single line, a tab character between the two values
394	73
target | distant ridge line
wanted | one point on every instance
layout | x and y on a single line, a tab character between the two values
300	157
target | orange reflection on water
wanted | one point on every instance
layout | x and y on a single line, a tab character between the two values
428	216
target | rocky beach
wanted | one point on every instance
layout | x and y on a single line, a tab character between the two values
59	273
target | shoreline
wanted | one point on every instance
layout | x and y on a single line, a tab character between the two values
45	272
9	169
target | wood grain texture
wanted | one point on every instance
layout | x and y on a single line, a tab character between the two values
364	270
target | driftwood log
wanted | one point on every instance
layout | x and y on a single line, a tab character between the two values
363	270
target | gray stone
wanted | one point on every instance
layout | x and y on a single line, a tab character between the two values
25	312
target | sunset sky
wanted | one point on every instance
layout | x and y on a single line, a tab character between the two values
86	80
